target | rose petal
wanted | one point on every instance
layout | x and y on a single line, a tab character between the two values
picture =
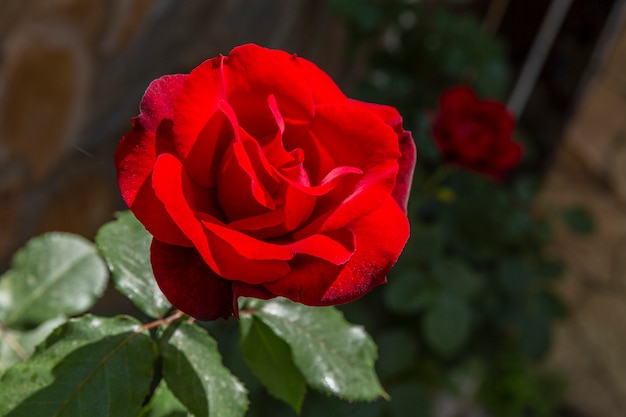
197	103
263	226
261	166
318	162
336	247
407	161
324	89
406	168
380	237
298	206
253	73
389	114
241	289
189	284
158	101
510	156
136	154
192	213
203	158
168	181
137	151
239	190
356	139
456	101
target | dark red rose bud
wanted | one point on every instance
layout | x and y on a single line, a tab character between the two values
475	134
257	176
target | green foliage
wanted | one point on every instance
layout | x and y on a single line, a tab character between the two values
89	366
106	366
476	279
332	355
16	345
53	275
413	50
447	324
164	404
510	390
269	357
474	285
579	220
193	370
125	245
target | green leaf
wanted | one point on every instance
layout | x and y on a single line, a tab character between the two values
535	336
447	325
514	276
164	404
54	274
428	240
457	278
579	220
270	359
398	352
333	356
409	399
125	245
406	292
90	366
193	370
17	345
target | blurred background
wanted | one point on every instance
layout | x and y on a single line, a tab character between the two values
543	300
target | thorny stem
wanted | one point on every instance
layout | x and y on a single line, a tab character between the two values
13	344
166	320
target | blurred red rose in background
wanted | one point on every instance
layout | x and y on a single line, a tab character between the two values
475	134
258	177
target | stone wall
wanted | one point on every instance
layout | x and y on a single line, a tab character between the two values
590	171
72	73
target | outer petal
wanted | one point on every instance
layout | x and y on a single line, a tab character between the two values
324	89
457	101
196	103
406	169
407	148
389	114
137	153
253	73
380	238
158	101
189	284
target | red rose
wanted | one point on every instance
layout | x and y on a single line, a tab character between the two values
475	134
257	176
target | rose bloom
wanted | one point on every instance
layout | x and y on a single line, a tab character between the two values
257	176
475	134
